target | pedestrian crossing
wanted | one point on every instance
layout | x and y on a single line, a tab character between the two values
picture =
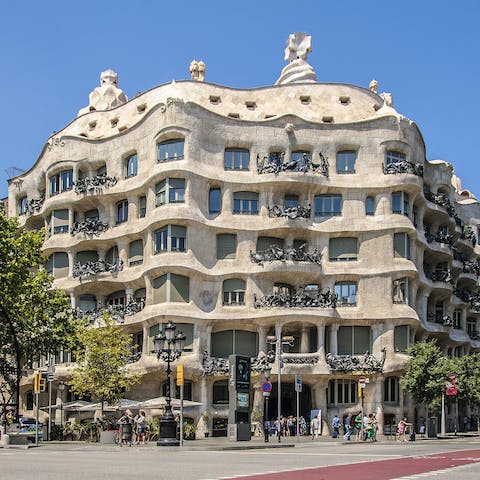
436	473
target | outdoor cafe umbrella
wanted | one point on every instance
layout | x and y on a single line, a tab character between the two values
122	404
160	402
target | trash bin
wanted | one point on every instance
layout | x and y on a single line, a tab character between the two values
432	427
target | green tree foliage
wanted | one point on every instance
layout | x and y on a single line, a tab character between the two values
101	368
35	318
467	369
425	373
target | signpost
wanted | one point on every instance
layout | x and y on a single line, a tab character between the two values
266	389
180	383
50	379
298	389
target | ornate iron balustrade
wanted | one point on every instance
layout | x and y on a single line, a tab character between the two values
396	168
441	276
473	334
444	320
274	254
33	205
275	163
90	226
439	237
300	299
214	365
92	268
301	211
471	266
300	359
442	200
367	363
469	234
118	312
96	184
468	296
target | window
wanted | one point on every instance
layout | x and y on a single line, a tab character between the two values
401	245
142	207
117	298
391	390
457	319
415	216
171	150
471	326
401	338
233	291
170	190
171	288
353	340
87	303
122	211
29	400
131	166
346	162
342	392
61	182
171	238
86	256
400	291
245	203
220	393
112	256
400	203
22	205
57	265
92	214
135	253
60	221
215	200
185	328
226	246
101	171
291	201
394	157
236	159
228	342
328	205
265	243
301	160
343	249
370	206
346	293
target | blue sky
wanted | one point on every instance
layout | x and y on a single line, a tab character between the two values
426	53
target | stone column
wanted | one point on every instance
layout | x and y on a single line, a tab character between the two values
303	340
333	338
227	200
71	218
146	331
377	330
123	252
73	300
148	290
319	401
60	414
376	385
208	346
148	247
262	338
71	261
321	340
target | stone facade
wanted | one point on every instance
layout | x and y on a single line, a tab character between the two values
164	205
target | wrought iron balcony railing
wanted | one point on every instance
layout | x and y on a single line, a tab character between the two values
90	226
474	335
471	266
351	363
92	268
275	163
118	312
94	184
440	318
277	254
300	211
468	296
441	276
33	205
469	234
442	200
440	237
300	299
396	168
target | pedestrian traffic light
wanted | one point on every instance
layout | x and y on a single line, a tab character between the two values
43	383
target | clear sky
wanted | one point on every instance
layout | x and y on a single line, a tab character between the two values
425	52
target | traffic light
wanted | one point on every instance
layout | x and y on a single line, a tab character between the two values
43	383
36	382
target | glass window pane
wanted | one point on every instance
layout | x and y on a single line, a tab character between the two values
222	344
361	340
214	201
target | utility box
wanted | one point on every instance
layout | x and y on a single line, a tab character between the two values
239	425
432	427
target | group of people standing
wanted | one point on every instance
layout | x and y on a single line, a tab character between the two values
288	426
362	427
133	428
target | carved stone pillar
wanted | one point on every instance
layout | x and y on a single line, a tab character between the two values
227	200
128	293
204	392
123	252
319	401
146	331
208	344
377	331
262	338
73	300
148	290
148	247
304	340
377	400
321	340
71	217
101	252
71	261
333	338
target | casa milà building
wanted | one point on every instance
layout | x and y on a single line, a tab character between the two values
301	209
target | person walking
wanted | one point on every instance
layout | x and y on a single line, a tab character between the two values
358	426
141	422
348	427
402	429
336	426
126	424
315	427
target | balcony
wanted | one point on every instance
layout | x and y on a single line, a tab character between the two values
299	299
442	200
396	168
90	227
277	254
81	270
34	205
440	318
468	296
299	211
275	163
94	184
440	237
441	276
471	266
469	234
366	363
118	312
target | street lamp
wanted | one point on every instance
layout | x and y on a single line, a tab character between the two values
168	347
266	396
61	388
280	342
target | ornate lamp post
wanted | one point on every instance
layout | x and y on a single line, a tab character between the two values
168	347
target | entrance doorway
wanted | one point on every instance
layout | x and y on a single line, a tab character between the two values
289	401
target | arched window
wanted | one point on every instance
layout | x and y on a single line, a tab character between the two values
172	149
391	390
171	288
131	166
233	291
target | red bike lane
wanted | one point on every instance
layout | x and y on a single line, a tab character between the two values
379	470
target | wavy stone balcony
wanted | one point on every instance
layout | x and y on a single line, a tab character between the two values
118	312
471	266
367	363
90	227
469	235
396	168
299	299
300	211
441	276
277	254
275	163
441	319
81	270
94	184
442	200
468	296
34	205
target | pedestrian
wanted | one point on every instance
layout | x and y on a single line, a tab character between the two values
370	428
422	427
348	427
126	424
303	426
466	420
357	422
140	421
336	426
315	427
402	428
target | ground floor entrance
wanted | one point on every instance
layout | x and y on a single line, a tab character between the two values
289	401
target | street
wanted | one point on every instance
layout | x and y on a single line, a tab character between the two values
205	460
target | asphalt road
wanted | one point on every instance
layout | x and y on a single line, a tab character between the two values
201	460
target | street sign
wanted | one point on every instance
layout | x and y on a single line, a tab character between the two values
266	387
50	377
298	383
362	382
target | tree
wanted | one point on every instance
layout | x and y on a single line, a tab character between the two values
35	318
425	373
102	355
467	369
